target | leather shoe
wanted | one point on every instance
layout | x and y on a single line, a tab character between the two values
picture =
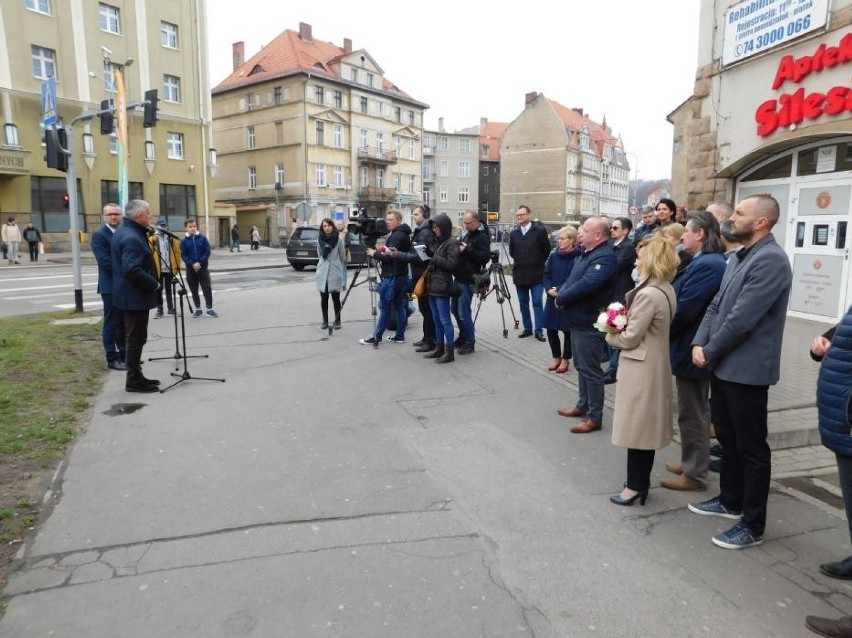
116	365
540	336
151	381
682	483
570	412
141	386
841	570
586	426
674	468
609	377
425	347
839	628
525	334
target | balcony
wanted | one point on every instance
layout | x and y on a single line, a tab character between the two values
428	150
376	194
428	176
375	155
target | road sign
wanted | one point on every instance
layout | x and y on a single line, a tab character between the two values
304	211
48	102
634	210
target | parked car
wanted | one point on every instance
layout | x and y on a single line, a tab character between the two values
302	248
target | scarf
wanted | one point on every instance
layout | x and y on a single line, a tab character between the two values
327	244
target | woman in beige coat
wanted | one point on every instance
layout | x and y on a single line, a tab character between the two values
643	399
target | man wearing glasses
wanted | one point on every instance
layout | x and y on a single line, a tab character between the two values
113	330
529	246
475	250
625	257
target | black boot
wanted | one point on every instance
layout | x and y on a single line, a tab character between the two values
425	347
337	322
437	353
324	325
449	355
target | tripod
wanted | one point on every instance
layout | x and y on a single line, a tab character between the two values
177	356
500	288
372	286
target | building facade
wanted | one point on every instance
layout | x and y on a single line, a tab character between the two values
490	134
305	130
771	112
562	164
158	45
455	160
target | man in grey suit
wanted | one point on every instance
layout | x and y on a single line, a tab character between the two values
739	340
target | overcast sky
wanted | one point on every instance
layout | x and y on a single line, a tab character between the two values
631	60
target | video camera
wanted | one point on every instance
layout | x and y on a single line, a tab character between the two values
370	228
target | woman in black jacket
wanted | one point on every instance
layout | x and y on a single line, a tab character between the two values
445	259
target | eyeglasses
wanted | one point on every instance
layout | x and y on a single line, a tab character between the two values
113	214
615	228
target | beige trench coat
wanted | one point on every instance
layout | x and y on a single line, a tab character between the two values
643	396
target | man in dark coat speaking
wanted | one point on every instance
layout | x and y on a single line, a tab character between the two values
134	288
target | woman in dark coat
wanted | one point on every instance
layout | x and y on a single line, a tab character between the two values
556	270
445	259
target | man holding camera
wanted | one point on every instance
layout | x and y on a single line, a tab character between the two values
423	236
474	251
394	273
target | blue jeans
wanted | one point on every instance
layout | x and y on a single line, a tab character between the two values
613	358
113	331
461	306
587	346
524	293
391	298
443	324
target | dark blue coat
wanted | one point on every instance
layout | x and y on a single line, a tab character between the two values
134	284
834	390
556	271
195	249
101	240
625	258
529	251
695	287
589	288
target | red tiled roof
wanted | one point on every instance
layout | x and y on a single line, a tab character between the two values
574	122
490	136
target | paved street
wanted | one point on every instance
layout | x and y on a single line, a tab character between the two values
330	489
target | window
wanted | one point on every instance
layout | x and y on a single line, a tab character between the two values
177	202
444	195
44	62
277	96
464	145
109	191
49	214
380	109
113	143
412	149
11	132
380	142
398	146
319	95
321	175
411	118
365	177
369	79
443	143
279	174
252	178
380	177
412	183
464	195
41	6
485	150
171	88
427	195
338	100
250	138
338	136
464	169
109	76
397	181
365	139
354	75
485	170
249	101
109	19
363	105
444	170
174	144
338	177
320	133
168	35
397	114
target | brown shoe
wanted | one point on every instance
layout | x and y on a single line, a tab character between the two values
674	468
570	412
683	483
840	628
586	426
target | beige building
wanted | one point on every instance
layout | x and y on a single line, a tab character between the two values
771	112
455	169
305	129
561	164
158	44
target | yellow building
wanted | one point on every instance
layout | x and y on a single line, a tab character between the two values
158	44
306	130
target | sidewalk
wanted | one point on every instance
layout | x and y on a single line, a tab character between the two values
330	489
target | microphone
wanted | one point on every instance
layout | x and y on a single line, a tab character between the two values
168	233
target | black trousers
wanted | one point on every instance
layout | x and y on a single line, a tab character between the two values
639	466
166	281
202	277
738	413
33	250
136	335
428	320
335	299
558	351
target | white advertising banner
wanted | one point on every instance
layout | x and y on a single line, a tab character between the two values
756	26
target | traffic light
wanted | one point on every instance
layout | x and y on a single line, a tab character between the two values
55	149
149	118
493	218
66	201
107	117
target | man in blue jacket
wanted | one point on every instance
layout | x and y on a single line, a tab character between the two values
589	287
113	330
739	341
134	288
195	252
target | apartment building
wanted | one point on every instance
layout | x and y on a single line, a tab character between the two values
490	134
455	161
157	44
305	129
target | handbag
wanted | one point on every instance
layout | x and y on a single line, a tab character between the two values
420	286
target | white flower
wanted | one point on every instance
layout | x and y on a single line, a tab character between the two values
602	318
620	322
615	306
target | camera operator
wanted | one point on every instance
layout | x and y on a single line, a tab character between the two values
394	273
424	236
474	252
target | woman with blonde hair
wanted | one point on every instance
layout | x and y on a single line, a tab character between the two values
673	233
558	266
643	419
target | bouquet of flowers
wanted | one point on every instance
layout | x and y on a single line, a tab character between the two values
613	319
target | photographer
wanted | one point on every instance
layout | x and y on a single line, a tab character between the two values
423	236
474	252
394	273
